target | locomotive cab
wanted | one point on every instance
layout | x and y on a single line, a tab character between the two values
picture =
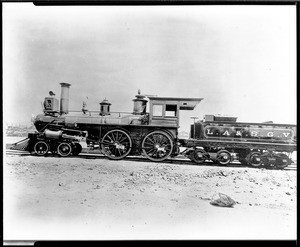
164	111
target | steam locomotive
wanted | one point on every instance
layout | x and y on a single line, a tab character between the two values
154	134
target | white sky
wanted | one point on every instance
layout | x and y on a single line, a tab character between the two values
240	59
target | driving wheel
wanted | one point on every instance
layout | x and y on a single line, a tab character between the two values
157	145
116	144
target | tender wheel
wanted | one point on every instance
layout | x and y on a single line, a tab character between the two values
116	144
157	146
254	159
77	148
199	156
41	148
64	149
223	157
282	161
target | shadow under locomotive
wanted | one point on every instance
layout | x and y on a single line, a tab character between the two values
154	134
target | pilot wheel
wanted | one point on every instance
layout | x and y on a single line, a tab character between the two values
41	148
157	146
64	149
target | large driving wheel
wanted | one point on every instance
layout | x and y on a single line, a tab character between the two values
157	146
41	148
199	156
116	144
254	159
223	157
64	149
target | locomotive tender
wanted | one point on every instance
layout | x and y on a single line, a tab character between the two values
154	134
254	144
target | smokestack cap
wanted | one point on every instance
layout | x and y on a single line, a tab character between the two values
64	84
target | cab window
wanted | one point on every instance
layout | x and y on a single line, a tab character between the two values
157	110
171	110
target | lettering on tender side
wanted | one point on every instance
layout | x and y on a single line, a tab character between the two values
253	133
226	133
208	132
248	132
238	133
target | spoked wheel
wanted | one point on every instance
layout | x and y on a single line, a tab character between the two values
223	157
77	148
64	149
116	144
254	159
41	148
157	146
199	156
282	161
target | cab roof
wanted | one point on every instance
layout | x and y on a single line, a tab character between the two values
184	103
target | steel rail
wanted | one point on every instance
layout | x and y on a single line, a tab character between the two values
177	160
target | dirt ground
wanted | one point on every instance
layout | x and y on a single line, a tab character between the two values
48	198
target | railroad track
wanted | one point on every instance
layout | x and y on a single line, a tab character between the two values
178	160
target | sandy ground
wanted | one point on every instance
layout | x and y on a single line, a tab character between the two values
49	198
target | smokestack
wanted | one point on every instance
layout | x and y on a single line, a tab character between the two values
64	98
